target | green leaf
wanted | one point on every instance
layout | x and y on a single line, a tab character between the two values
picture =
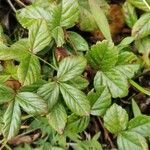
135	108
12	120
103	55
39	36
100	101
129	14
131	140
31	103
141	28
77	124
71	67
125	42
86	20
127	64
140	4
143	47
116	119
69	13
65	14
30	14
6	94
100	19
29	70
78	41
58	35
79	82
114	80
75	99
50	93
140	124
58	118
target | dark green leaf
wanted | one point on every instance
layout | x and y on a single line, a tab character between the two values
29	70
58	118
114	80
77	124
71	67
78	41
79	82
12	120
31	103
50	93
100	101
75	100
39	36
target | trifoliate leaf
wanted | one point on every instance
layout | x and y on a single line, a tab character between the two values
12	120
39	36
141	28
78	41
75	99
131	140
129	14
29	70
114	67
100	101
58	118
6	94
77	124
50	93
30	14
140	124
116	119
31	103
71	67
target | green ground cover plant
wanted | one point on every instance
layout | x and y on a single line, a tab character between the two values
60	90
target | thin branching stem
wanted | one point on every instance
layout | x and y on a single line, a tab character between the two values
12	6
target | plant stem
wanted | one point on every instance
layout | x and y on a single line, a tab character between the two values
138	87
12	6
20	3
145	2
